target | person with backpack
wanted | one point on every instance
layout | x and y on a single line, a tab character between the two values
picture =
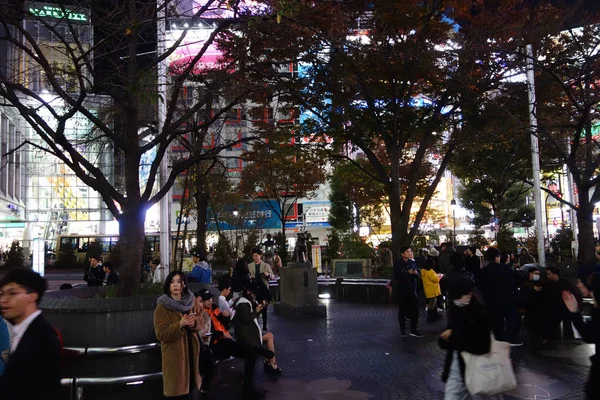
201	272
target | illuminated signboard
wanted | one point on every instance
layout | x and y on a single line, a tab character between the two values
190	46
55	12
216	10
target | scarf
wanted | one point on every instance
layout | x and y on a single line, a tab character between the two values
183	306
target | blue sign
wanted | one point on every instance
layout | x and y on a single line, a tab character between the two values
252	214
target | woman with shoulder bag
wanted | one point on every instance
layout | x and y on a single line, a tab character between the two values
468	331
176	328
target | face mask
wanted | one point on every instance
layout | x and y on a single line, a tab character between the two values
460	303
536	278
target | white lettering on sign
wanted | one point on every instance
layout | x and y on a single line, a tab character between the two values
57	13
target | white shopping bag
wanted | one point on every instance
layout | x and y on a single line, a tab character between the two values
490	373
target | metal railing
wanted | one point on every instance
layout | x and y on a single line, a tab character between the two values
111	350
76	384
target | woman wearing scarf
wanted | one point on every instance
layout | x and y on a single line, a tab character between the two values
176	328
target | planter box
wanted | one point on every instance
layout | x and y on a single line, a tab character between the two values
87	322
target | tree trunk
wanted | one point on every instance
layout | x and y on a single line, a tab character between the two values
585	225
283	214
202	209
131	239
395	220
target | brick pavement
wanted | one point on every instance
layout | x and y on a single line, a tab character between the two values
359	345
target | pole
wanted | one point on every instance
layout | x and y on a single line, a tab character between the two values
571	198
165	202
547	217
454	226
535	158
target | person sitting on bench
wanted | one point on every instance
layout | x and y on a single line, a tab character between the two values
217	343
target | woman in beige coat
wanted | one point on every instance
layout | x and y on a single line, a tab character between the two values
176	328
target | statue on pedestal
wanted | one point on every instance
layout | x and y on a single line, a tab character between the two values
301	250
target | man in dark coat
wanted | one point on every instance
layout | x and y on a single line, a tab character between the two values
472	262
94	275
33	368
110	276
446	250
555	311
404	283
498	286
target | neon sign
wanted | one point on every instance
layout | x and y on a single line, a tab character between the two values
58	13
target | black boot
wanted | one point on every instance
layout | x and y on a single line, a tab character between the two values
270	370
264	352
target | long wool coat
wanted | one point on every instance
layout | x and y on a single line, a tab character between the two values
175	353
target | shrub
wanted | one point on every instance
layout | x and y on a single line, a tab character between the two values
478	239
505	239
15	257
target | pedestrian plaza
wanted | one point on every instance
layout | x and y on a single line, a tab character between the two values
356	352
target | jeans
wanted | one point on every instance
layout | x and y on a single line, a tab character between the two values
455	385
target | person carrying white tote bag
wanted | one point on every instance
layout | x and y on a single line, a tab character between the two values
491	373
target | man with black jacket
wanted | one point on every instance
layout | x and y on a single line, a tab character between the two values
33	367
498	286
94	275
404	283
473	263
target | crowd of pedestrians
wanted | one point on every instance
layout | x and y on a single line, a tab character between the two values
488	299
495	297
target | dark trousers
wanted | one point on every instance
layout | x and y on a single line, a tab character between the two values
225	348
504	324
408	307
206	366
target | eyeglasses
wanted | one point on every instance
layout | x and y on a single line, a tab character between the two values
9	294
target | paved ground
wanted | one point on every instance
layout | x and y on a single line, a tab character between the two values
357	353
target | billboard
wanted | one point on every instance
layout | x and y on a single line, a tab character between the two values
216	10
193	42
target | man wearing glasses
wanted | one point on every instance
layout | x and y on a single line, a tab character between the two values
33	366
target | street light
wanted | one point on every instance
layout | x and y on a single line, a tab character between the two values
453	206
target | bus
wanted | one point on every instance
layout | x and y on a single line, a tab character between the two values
80	243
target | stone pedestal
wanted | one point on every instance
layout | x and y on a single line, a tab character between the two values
299	293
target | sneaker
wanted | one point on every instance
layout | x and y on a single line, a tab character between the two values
516	343
403	334
416	334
